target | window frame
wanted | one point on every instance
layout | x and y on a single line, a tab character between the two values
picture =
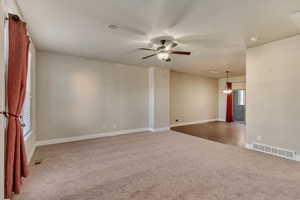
28	94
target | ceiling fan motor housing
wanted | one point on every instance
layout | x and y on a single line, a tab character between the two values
164	47
167	43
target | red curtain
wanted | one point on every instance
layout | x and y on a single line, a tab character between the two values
229	117
16	165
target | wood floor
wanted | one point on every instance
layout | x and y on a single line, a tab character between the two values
227	133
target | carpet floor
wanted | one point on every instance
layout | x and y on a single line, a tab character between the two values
164	166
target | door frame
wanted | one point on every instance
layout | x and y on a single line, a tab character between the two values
233	92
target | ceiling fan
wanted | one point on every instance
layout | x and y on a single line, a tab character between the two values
164	50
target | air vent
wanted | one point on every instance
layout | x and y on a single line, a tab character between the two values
275	151
37	162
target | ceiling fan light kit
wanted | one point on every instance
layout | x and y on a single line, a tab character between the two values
163	56
164	49
227	91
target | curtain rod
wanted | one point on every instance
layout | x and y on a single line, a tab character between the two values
14	17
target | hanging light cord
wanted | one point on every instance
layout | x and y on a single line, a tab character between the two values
227	73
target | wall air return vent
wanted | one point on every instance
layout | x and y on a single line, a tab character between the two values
285	153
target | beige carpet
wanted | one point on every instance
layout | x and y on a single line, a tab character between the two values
165	166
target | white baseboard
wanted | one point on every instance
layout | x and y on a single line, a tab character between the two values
194	122
86	137
248	146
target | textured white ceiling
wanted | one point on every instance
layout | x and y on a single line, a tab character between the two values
216	31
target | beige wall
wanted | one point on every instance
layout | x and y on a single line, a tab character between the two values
192	98
239	83
1	104
273	94
78	96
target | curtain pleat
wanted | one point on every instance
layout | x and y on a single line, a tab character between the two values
229	117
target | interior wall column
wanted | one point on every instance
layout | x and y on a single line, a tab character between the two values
159	99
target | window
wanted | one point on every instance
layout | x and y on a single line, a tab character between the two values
241	97
26	114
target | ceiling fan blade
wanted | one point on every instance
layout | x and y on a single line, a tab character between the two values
133	30
126	29
146	49
181	12
197	38
180	52
148	56
215	40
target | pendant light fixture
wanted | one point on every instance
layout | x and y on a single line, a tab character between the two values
227	90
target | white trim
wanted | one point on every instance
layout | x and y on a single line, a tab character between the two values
151	96
159	129
194	122
33	148
221	120
297	157
86	137
28	135
248	146
31	152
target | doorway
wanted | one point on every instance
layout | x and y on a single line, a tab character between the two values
239	106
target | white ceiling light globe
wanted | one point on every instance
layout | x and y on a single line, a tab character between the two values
227	91
162	56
